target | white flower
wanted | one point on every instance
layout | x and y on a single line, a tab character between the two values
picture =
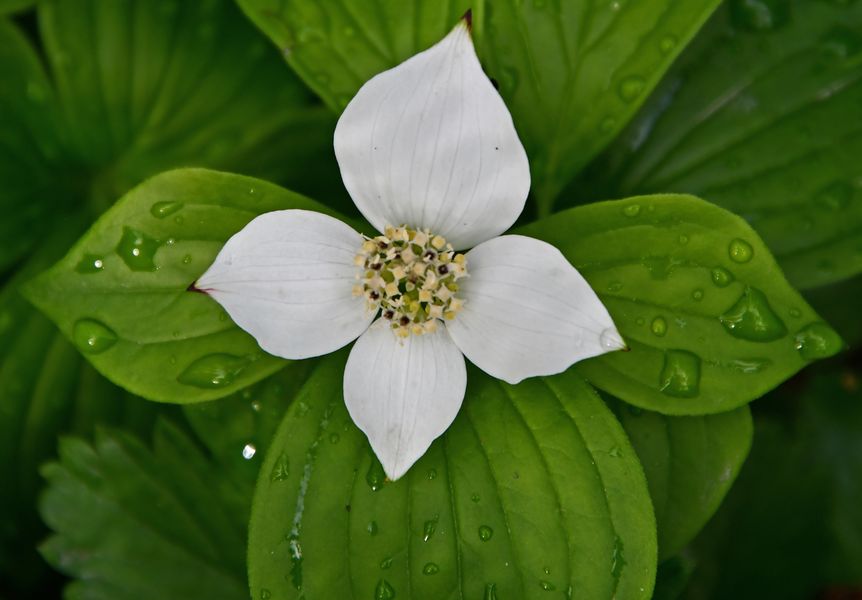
431	158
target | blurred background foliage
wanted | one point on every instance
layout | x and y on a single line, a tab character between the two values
761	114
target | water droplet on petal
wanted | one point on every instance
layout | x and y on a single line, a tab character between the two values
680	375
93	337
752	318
610	339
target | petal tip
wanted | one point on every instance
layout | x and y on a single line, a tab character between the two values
467	20
611	340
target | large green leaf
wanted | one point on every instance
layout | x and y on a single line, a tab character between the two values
690	464
710	320
148	86
533	489
121	294
12	6
28	145
338	45
791	525
573	72
767	122
136	524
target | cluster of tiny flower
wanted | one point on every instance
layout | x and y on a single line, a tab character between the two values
411	276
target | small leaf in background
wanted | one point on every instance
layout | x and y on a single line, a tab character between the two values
574	72
690	464
791	527
121	294
534	489
710	320
133	523
763	119
338	45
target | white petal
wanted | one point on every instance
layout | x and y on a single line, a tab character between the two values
403	393
287	279
528	312
430	143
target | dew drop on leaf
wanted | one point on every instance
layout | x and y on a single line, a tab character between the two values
680	374
658	326
93	337
90	263
817	340
667	43
375	477
631	87
721	277
429	528
485	533
160	210
632	210
547	586
740	251
213	371
384	591
752	318
430	569
138	250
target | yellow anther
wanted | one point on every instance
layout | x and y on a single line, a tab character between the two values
438	242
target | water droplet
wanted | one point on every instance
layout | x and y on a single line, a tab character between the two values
490	592
93	337
607	125
281	469
842	42
547	585
429	528
751	318
750	365
90	263
475	498
667	43
680	374
137	250
187	259
632	210
265	594
683	239
213	371
658	326
432	474
248	451
834	196
615	452
817	340
615	286
333	438
383	591
740	251
430	569
721	277
371	528
617	559
795	313
376	476
386	563
610	338
160	210
631	87
759	15
697	295
485	533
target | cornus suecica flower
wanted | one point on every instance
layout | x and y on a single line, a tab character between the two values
430	156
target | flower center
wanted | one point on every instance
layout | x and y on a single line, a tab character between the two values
411	276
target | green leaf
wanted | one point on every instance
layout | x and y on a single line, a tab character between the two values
791	525
534	488
148	86
135	524
767	122
690	464
28	145
710	320
238	429
338	45
573	72
13	6
121	293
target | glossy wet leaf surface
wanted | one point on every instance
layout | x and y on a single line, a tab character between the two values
121	294
134	523
711	322
534	489
690	464
574	72
765	121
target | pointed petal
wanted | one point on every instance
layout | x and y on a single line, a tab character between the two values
287	278
528	312
430	143
403	393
